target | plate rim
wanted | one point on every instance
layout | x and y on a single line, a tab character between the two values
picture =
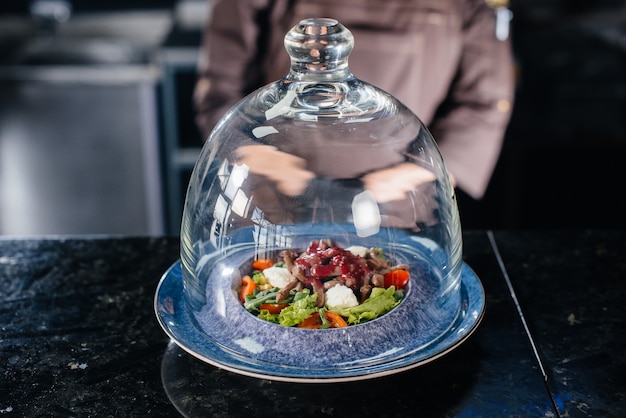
471	323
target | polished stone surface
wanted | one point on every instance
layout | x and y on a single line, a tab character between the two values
78	337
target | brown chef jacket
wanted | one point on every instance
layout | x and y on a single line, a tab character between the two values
439	57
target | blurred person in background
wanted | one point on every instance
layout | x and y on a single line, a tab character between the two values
449	61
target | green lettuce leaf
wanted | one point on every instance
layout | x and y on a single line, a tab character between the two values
300	309
380	301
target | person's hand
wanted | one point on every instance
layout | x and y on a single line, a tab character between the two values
394	183
396	188
286	170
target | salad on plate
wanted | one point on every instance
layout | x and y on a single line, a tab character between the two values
324	286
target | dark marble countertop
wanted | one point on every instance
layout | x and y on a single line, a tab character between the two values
79	337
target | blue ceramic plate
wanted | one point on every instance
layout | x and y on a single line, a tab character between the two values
260	349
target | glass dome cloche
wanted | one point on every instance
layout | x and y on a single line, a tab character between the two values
320	238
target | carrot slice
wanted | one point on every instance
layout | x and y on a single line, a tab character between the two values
273	308
336	321
314	321
262	264
247	287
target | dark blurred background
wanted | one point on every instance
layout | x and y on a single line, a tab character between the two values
97	133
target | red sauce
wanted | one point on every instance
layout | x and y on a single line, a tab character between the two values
323	261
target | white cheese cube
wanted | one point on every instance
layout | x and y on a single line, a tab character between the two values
277	276
340	296
358	250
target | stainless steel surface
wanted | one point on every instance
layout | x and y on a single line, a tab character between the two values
141	27
79	142
79	158
84	39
